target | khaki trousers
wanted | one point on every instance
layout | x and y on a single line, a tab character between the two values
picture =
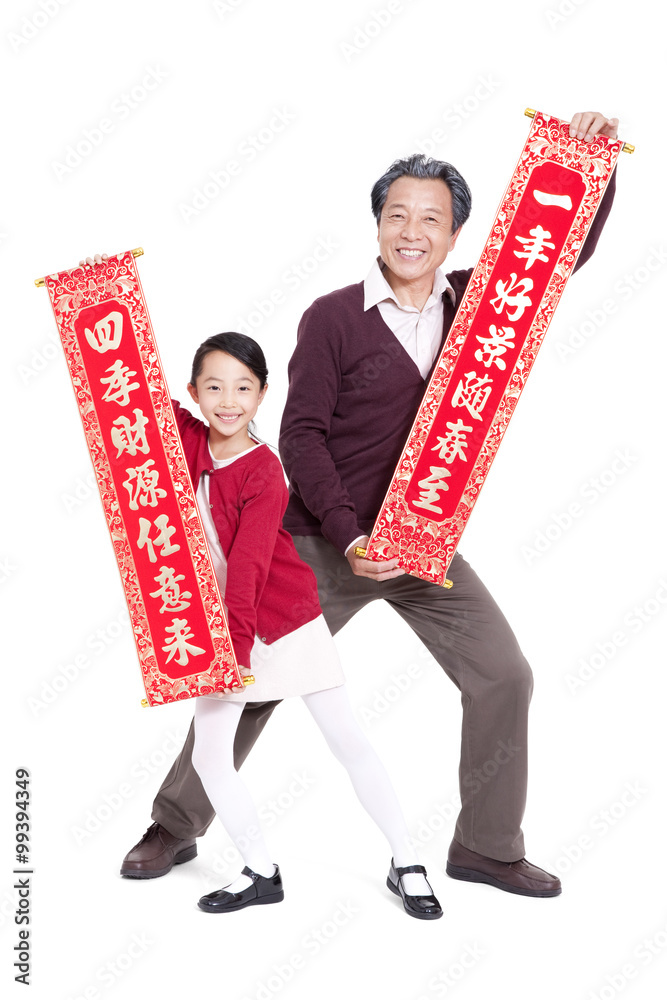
467	634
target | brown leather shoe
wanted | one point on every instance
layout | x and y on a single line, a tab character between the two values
515	876
156	853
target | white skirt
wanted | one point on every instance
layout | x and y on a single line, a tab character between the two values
301	662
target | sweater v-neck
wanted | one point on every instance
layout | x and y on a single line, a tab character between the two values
446	301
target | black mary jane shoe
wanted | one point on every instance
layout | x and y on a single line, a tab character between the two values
264	889
422	907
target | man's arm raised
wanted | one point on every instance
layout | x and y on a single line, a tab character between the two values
585	125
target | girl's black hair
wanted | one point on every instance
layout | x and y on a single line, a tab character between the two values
244	349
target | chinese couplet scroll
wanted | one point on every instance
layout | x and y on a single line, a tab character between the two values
540	227
175	607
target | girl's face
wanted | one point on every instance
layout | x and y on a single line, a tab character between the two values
228	395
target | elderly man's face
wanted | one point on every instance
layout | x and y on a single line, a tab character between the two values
415	230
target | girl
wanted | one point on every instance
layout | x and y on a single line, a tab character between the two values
276	625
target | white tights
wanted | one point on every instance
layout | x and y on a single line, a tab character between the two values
216	721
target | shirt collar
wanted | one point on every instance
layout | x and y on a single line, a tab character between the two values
377	288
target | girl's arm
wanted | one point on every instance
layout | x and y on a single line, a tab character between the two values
250	554
184	419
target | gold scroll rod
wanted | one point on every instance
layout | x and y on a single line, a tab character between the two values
627	146
137	252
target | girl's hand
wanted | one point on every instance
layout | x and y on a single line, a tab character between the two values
97	259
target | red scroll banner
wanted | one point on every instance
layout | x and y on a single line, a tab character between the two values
175	607
540	227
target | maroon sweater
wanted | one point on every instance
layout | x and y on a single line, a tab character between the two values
353	395
270	590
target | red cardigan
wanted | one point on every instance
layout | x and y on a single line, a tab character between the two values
270	590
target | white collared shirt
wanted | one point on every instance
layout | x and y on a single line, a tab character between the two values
418	331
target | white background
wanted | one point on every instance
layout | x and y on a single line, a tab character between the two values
587	437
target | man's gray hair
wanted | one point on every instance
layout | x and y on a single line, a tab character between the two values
424	168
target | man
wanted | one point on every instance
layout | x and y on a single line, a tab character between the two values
363	359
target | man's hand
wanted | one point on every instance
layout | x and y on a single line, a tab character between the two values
373	570
587	124
97	259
